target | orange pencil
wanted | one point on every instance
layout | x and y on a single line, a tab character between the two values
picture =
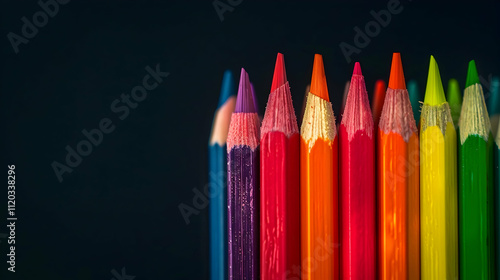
398	182
319	182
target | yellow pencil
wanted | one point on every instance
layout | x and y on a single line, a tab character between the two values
438	179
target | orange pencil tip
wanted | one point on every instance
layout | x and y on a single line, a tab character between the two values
397	77
318	80
279	77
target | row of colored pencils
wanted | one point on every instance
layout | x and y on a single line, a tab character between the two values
374	197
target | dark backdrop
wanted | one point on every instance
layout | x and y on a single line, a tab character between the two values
119	207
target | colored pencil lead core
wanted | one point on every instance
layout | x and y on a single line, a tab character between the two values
279	77
472	77
245	101
318	80
357	69
434	92
397	77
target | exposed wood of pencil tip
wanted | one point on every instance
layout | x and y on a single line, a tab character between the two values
357	113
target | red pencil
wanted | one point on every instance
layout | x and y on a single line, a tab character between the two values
378	100
357	177
279	183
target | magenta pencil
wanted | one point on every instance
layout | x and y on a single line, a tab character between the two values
357	187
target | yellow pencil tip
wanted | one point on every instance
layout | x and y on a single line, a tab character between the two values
434	92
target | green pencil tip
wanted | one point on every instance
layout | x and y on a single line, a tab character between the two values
434	92
472	77
453	95
454	98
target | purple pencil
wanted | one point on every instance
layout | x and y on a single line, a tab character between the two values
243	185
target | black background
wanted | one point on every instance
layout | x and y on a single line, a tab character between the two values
119	207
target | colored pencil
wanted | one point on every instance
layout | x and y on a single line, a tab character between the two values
279	183
494	104
217	178
344	96
243	185
357	187
378	100
398	182
476	198
415	98
319	182
454	98
438	183
497	199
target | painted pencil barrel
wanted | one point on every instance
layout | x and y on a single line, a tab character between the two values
243	224
475	209
398	207
319	210
357	200
218	212
438	197
280	207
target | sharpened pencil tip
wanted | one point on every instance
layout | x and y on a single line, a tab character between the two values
244	100
453	94
228	88
357	69
318	80
434	92
472	77
279	77
397	77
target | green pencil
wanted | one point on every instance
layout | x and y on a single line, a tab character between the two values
476	228
454	98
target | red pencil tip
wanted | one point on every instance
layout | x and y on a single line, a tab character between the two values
318	80
357	69
279	77
397	77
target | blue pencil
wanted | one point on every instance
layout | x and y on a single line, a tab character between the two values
217	153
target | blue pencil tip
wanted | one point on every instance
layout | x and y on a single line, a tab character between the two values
228	88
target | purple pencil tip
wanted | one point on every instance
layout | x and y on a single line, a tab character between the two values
244	100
